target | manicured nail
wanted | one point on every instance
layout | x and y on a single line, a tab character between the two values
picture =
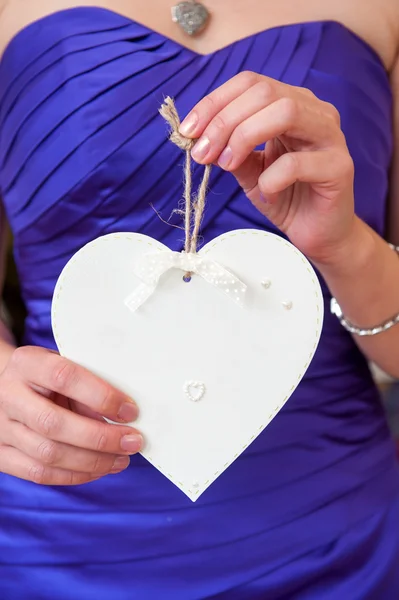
200	149
121	463
189	124
225	158
128	412
132	443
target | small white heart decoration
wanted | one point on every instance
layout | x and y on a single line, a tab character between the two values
200	366
194	390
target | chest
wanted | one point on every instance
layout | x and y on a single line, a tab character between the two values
376	21
82	145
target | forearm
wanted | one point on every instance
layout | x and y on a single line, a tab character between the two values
364	278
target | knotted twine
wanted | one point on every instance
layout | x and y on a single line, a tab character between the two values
150	268
193	206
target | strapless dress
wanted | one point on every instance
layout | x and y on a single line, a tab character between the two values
311	509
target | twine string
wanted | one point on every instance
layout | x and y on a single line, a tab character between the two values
193	207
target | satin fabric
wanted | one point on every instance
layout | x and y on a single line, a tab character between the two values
311	509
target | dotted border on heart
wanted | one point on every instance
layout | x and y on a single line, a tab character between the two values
206	250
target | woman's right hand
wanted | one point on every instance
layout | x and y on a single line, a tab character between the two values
52	430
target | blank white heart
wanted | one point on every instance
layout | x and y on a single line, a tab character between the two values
199	366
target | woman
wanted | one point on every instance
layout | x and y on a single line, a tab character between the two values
311	509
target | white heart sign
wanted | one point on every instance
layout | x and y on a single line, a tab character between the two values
208	373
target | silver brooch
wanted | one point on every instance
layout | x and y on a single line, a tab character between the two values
191	16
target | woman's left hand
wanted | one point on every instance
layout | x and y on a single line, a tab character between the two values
303	179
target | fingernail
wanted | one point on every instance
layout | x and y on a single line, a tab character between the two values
189	124
225	158
132	443
200	149
121	463
128	412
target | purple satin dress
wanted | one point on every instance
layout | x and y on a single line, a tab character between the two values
311	509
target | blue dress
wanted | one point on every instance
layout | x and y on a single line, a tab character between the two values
311	509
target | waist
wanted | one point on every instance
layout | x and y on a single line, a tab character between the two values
282	493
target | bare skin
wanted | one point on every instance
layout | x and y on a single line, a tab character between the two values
51	425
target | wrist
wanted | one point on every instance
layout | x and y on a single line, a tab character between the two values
353	253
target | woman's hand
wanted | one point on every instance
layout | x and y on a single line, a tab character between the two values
303	180
51	426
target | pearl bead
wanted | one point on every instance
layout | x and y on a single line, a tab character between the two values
266	283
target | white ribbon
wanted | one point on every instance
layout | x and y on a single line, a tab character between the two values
150	268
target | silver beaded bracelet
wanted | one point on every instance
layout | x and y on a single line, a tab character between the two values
336	310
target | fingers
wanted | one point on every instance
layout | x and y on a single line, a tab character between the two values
251	109
44	441
325	168
205	110
39	367
55	454
217	133
265	175
305	127
20	403
16	463
229	139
